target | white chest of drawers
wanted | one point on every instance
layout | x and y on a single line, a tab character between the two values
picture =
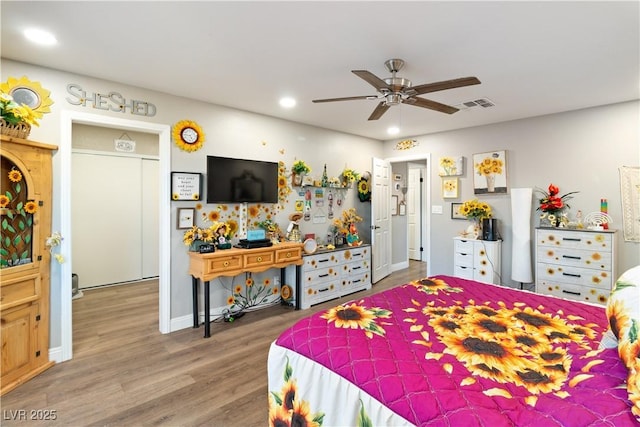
575	264
478	260
333	274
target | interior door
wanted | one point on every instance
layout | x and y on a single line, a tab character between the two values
380	219
414	201
150	220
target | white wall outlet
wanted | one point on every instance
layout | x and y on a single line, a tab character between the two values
276	280
436	209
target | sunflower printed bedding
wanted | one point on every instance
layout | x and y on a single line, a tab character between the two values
445	351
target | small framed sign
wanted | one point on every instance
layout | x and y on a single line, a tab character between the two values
186	218
186	186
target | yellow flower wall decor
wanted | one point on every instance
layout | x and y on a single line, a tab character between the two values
188	135
25	92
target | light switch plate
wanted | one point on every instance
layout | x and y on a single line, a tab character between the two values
436	209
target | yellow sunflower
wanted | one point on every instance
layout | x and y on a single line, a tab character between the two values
4	201
254	211
282	181
248	282
30	207
351	317
15	175
278	416
302	416
363	186
237	289
214	216
231	300
618	317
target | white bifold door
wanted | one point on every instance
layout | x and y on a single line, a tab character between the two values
114	208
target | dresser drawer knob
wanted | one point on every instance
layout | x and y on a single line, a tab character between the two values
288	255
226	263
571	239
259	259
571	257
571	292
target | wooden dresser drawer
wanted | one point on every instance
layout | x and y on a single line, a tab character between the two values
224	264
600	260
573	292
288	254
553	273
259	259
586	240
19	291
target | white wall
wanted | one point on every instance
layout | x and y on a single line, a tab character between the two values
578	151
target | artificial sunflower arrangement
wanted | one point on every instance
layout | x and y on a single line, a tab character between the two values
349	176
300	167
475	210
196	233
349	216
14	113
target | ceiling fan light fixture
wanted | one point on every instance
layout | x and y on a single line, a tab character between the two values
393	99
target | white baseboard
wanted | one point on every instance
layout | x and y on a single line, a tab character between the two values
55	354
400	266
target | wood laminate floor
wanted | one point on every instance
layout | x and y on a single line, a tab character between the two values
126	373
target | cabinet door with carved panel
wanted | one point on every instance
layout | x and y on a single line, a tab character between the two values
25	220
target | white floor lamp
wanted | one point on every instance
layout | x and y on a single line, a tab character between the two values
521	202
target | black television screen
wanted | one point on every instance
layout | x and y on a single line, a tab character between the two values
232	180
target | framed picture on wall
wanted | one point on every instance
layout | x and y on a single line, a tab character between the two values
490	173
455	211
450	188
451	166
186	218
186	186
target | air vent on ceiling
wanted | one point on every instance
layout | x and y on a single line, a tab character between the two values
481	102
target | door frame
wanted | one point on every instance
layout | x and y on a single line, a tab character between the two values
68	119
426	201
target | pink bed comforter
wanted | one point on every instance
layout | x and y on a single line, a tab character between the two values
446	351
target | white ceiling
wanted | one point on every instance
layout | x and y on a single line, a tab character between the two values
533	58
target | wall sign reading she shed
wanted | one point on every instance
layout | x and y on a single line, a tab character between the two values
186	186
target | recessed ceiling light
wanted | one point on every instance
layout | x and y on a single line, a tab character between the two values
393	130
287	102
41	37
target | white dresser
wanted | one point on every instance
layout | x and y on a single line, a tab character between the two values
478	260
575	264
332	274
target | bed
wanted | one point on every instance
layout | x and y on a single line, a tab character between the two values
445	351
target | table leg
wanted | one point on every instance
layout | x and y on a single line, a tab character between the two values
298	286
207	325
194	285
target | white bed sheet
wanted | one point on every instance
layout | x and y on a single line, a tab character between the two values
325	392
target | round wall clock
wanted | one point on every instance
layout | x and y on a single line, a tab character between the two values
188	135
29	93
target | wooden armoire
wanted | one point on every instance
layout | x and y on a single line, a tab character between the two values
25	218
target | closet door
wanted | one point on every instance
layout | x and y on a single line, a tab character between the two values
150	220
106	219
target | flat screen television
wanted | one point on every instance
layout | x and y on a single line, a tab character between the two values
232	180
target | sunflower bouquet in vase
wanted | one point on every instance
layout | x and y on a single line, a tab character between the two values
475	211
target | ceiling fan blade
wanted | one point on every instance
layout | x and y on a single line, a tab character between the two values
432	105
443	85
379	111
348	98
373	80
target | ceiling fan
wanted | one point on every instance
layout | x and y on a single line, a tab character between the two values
398	90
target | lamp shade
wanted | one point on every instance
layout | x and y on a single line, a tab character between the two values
521	202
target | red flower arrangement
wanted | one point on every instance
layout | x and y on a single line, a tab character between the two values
551	202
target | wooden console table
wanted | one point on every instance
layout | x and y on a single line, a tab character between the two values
231	262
